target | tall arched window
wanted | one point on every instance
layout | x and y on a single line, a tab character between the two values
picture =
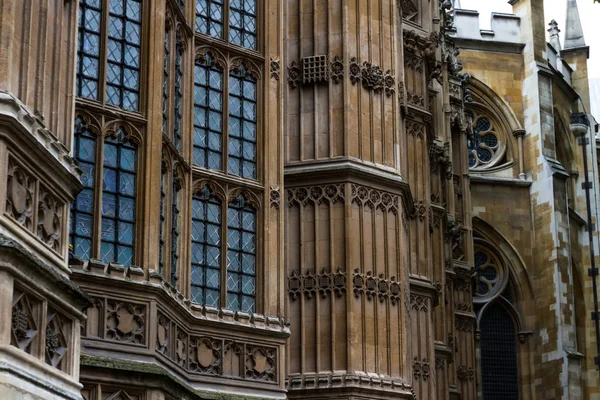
494	298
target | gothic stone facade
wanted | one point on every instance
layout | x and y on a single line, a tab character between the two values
303	199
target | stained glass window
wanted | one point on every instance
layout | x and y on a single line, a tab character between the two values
498	355
175	229
82	208
163	219
206	248
242	124
88	48
177	111
118	199
123	56
165	94
242	23
241	256
209	17
208	117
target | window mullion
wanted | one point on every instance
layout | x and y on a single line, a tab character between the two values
98	188
226	21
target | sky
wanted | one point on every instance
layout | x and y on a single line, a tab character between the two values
589	12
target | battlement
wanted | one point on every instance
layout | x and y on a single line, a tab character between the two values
505	28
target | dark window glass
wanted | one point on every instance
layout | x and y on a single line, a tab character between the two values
498	355
480	135
82	209
175	229
208	116
241	256
177	112
163	219
206	248
118	200
242	124
209	17
242	23
165	94
123	54
88	48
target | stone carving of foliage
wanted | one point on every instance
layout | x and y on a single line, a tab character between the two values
57	338
261	363
205	355
49	219
372	77
20	193
421	369
465	373
275	197
294	74
329	194
125	322
337	69
275	68
375	199
23	322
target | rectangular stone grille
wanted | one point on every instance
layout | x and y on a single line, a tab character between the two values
315	69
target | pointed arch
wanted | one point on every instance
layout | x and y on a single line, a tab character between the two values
132	133
249	67
216	57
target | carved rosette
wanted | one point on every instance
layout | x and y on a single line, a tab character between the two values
389	83
337	69
372	77
125	322
20	193
275	66
294	74
261	363
355	71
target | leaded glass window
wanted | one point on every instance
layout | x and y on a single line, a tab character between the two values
177	111
163	218
82	209
208	116
242	124
241	256
209	17
165	94
242	23
175	228
118	199
206	248
123	56
88	48
499	373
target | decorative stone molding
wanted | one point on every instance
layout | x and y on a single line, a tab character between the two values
439	157
20	193
163	333
419	303
463	307
464	323
125	322
372	77
420	211
328	194
275	197
440	362
413	62
355	71
57	338
309	283
294	74
376	287
337	69
465	373
341	380
205	355
421	369
275	66
415	129
261	363
375	199
315	69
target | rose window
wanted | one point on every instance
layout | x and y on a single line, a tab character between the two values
483	145
489	274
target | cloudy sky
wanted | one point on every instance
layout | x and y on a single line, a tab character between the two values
554	9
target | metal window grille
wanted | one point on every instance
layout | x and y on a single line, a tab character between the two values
208	115
242	124
241	256
209	17
82	209
206	249
118	200
315	69
242	23
88	56
123	56
498	355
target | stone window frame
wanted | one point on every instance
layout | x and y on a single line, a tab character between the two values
498	152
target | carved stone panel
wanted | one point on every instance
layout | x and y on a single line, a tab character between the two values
205	355
20	193
125	322
58	335
50	217
261	363
24	320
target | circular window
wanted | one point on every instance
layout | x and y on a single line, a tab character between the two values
491	276
483	145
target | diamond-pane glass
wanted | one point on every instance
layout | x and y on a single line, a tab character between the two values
206	248
82	209
88	49
209	17
242	124
118	200
241	256
165	94
123	55
208	116
175	229
177	111
242	23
